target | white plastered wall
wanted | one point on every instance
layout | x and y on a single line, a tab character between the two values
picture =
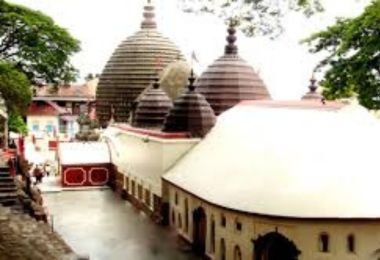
304	233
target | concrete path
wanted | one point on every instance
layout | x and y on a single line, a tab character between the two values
99	224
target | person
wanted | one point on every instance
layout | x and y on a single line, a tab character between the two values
37	174
47	169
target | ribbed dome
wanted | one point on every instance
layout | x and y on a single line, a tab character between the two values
312	94
131	67
174	78
152	108
230	80
191	113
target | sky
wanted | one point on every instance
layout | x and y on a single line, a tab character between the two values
284	64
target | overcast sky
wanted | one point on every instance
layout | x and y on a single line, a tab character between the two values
101	25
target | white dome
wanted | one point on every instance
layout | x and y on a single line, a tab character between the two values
300	159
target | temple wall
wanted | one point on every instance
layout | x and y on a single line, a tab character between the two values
305	234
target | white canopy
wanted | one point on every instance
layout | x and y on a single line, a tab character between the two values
308	161
78	153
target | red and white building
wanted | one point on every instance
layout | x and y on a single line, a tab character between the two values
84	164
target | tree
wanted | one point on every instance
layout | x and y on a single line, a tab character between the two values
353	61
254	17
35	45
15	88
16	123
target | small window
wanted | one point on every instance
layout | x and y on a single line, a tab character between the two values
238	225
173	217
324	242
139	192
176	198
147	197
351	243
35	126
133	189
179	220
223	221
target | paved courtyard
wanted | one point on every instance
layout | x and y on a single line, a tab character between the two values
99	224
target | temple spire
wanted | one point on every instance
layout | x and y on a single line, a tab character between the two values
191	81
231	48
148	22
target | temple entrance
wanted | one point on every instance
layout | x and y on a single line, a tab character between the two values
274	246
199	231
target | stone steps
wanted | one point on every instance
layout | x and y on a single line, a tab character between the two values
8	191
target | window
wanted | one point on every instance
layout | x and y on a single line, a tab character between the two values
324	242
133	189
147	197
237	253
351	243
222	250
126	183
140	192
176	198
186	215
173	217
49	127
238	225
223	221
212	235
179	221
35	126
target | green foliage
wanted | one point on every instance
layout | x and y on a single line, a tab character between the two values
35	45
254	17
17	124
15	88
353	61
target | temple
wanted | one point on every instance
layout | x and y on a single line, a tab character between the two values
235	174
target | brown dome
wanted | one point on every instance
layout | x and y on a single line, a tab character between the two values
191	113
230	80
152	108
174	78
131	67
312	94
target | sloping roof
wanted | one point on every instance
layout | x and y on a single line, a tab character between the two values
291	159
45	108
78	153
86	91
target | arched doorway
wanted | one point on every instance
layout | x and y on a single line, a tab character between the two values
199	230
274	246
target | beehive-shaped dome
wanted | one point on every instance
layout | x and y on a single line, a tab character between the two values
152	108
131	67
191	113
230	79
174	78
312	94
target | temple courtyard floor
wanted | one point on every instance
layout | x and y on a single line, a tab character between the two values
98	224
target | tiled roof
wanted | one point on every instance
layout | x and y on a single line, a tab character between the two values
84	91
45	108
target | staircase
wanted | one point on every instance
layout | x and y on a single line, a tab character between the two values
8	192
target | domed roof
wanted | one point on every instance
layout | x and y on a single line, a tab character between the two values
174	78
312	94
291	159
152	108
190	113
230	79
132	66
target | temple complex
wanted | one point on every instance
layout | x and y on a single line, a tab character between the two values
239	176
235	174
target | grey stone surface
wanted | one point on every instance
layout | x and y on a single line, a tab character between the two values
99	224
22	237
